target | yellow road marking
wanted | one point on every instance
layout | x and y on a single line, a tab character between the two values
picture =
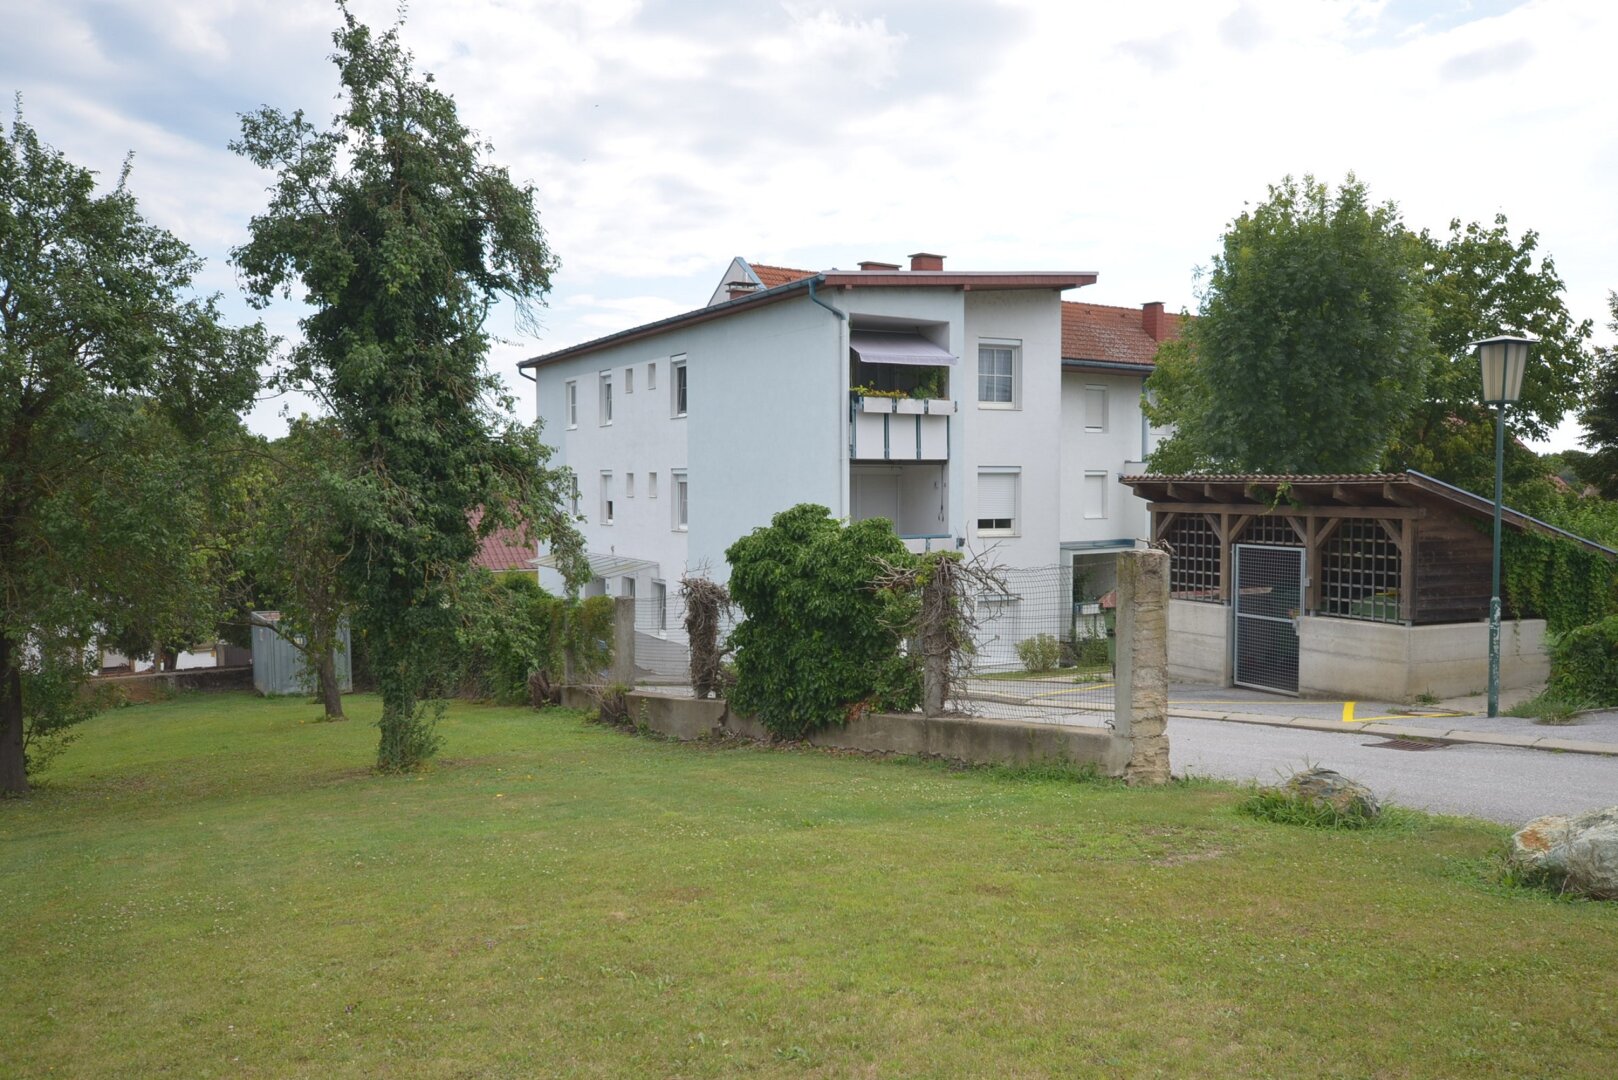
1348	712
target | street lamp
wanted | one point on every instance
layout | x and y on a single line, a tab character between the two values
1502	360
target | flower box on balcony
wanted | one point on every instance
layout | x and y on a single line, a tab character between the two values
939	407
911	405
876	404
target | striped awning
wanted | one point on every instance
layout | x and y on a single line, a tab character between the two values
882	347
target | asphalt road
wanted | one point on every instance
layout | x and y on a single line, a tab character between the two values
1500	784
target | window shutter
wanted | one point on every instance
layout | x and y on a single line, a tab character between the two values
997	495
1095	408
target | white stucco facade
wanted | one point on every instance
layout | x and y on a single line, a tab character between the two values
767	425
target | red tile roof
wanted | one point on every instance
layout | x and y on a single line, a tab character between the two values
771	276
504	549
1115	335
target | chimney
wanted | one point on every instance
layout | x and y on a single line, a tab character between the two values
739	289
1153	321
923	260
869	265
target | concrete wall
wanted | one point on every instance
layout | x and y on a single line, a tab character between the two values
974	741
1349	658
1199	642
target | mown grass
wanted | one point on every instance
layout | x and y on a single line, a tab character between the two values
212	887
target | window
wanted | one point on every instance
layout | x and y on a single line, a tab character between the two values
606	498
629	380
997	374
660	605
651	375
677	390
627	588
629	485
681	500
570	399
1095	409
1095	495
606	398
651	485
997	501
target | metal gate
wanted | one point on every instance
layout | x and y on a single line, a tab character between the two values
1269	599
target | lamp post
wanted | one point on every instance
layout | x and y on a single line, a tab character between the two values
1502	360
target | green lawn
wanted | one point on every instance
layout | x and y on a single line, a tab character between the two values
211	887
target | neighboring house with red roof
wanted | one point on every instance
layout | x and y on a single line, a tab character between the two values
975	409
506	551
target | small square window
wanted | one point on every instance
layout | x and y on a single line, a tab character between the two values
651	485
629	485
651	375
629	380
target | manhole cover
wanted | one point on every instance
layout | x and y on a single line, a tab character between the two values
1407	744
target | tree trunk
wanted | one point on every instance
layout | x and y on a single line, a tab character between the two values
331	692
13	769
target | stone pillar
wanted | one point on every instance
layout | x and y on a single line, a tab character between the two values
623	641
1142	686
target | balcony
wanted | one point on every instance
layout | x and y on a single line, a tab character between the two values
899	429
913	495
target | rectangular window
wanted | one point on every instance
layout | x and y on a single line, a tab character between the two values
629	380
997	502
677	388
629	485
681	500
606	498
651	485
570	397
1095	495
627	588
1095	409
997	374
606	398
651	375
660	605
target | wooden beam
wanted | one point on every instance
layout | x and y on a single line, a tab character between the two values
1223	529
1161	524
1398	513
1407	572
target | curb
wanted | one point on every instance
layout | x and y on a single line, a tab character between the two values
1401	731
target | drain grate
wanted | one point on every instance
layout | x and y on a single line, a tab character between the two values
1407	744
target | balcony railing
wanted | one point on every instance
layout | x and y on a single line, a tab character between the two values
899	429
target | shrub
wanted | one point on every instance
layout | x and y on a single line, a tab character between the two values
511	630
1584	664
1289	808
818	639
1042	652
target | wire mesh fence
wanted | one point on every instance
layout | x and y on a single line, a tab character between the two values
1043	646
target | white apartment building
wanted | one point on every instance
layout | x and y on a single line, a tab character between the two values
1018	413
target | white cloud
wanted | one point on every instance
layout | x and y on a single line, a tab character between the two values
664	138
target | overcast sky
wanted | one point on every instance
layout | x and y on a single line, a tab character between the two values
666	137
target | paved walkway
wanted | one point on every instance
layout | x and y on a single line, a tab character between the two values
1461	720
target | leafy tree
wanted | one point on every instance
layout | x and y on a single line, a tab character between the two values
818	638
1479	282
1312	342
1600	417
402	236
115	384
294	544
